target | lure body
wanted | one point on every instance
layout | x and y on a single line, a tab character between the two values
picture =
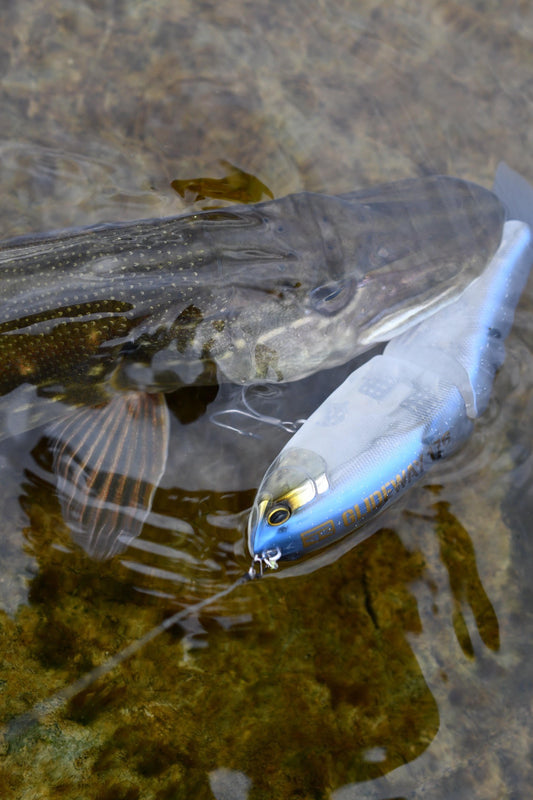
385	426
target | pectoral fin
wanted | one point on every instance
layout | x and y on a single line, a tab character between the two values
108	461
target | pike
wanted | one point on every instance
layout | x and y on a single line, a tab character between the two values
98	323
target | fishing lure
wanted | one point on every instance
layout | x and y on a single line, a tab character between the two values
388	423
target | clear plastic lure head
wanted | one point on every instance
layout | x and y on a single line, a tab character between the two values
295	478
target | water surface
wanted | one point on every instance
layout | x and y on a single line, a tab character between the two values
402	668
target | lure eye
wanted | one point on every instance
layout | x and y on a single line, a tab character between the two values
278	515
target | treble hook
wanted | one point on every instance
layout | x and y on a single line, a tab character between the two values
250	413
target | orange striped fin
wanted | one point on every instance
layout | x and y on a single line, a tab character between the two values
108	461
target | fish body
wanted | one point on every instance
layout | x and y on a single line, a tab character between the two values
392	419
96	324
273	291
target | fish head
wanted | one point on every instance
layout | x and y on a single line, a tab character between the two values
278	526
353	271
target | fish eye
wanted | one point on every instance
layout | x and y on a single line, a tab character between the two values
278	515
332	297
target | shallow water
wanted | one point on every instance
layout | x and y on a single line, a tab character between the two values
402	668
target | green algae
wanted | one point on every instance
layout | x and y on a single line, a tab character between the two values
171	713
178	709
458	556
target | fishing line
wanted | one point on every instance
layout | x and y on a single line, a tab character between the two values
20	725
